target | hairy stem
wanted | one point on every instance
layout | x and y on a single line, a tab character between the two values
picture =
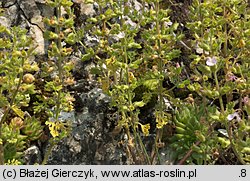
60	74
160	87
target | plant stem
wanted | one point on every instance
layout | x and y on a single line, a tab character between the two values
227	124
225	31
59	63
136	135
201	18
48	152
228	128
218	89
160	68
60	73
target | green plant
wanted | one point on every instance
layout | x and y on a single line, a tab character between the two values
55	98
127	65
16	49
220	66
137	53
119	61
159	50
194	133
18	83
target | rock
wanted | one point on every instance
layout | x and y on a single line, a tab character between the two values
85	80
90	76
32	156
68	151
45	10
87	9
8	3
31	17
166	156
89	142
29	8
4	21
35	21
37	34
38	20
40	1
135	5
67	116
91	41
10	16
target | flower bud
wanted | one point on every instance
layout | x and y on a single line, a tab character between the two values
28	78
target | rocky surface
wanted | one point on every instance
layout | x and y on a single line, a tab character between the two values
90	142
32	155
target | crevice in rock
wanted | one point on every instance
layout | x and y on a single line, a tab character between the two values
27	19
8	6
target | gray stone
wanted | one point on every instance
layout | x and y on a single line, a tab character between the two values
98	101
67	116
91	41
4	21
38	20
37	34
32	156
87	9
31	17
166	156
89	142
8	3
10	16
29	8
40	1
45	10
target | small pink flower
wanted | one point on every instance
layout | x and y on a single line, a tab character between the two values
231	77
177	65
230	117
246	99
211	61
